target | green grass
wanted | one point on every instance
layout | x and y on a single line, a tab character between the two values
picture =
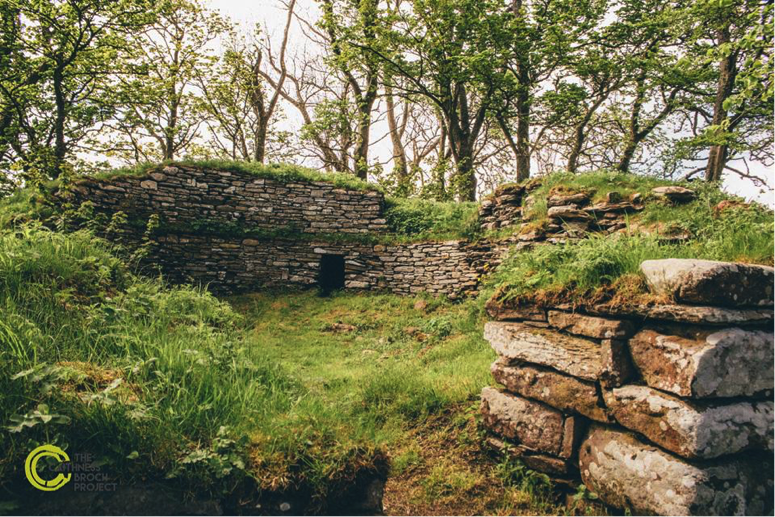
596	184
267	391
159	382
576	270
419	219
283	172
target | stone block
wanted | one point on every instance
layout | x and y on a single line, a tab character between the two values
590	326
551	387
575	356
708	282
627	473
530	423
687	314
727	363
567	213
690	429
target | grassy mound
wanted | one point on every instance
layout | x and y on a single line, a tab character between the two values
277	171
603	268
159	382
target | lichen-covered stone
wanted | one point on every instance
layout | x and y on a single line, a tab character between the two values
626	473
687	314
674	193
590	326
529	423
575	356
567	213
690	429
708	282
727	363
551	387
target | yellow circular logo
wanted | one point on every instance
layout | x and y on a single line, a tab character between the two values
31	470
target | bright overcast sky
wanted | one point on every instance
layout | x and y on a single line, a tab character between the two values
271	14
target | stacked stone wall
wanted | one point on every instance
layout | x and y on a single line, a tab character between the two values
189	195
659	409
231	265
185	198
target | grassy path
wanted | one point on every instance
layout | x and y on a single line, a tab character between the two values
406	373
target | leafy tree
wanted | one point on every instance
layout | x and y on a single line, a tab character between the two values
541	37
161	105
58	62
736	35
446	51
240	108
352	27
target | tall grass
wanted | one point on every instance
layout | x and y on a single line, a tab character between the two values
159	380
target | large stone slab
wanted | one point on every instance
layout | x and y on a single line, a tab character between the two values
575	356
708	282
727	363
692	430
553	388
687	314
626	473
530	423
567	213
590	326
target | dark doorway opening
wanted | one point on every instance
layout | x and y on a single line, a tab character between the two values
331	276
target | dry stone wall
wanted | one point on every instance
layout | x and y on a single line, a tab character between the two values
184	197
664	410
243	265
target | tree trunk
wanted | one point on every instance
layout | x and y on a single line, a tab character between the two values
718	154
578	142
259	152
627	155
466	176
60	147
362	142
399	154
523	135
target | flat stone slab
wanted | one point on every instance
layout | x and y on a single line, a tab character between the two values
692	430
709	282
688	314
727	363
674	193
626	473
572	355
560	391
590	326
567	213
530	423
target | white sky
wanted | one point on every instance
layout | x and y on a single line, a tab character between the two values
271	14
